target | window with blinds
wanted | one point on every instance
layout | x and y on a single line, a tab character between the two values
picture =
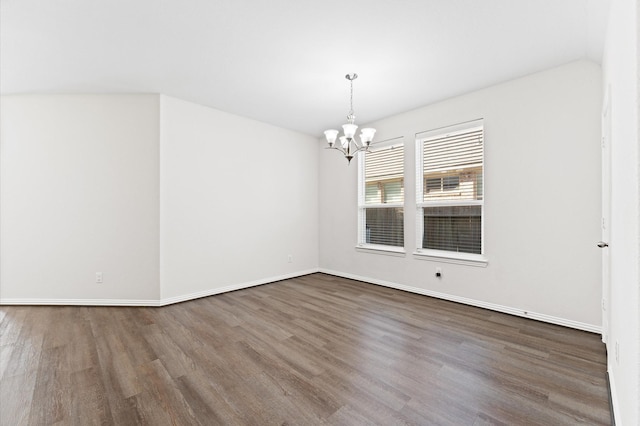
381	195
450	188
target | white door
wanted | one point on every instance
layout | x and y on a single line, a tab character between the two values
606	214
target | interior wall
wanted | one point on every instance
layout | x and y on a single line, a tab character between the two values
238	197
542	201
620	77
79	194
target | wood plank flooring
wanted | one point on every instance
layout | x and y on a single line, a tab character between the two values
312	350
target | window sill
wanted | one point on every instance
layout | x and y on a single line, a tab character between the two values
452	257
378	249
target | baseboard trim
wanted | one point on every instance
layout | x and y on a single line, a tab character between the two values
81	302
472	302
151	302
613	395
234	287
211	292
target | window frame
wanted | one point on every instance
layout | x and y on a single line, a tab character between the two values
362	245
472	259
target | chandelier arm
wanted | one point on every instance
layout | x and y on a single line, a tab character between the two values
337	149
361	148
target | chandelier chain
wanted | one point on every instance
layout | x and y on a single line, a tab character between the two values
351	99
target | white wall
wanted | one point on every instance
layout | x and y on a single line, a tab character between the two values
620	72
79	194
542	200
169	199
237	198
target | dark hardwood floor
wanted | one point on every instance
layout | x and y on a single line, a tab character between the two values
311	350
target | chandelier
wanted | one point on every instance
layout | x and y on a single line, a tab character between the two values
347	144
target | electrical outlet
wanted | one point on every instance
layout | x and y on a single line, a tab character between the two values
617	353
99	277
290	258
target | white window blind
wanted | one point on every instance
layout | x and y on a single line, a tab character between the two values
450	188
381	195
451	152
385	164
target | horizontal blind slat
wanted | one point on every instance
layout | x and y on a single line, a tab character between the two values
384	226
453	152
384	164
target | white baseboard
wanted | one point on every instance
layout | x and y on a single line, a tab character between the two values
478	303
234	287
240	286
151	302
614	394
80	302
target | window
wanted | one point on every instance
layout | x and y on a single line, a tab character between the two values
442	184
381	195
449	190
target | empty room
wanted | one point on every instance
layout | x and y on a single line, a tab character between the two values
294	212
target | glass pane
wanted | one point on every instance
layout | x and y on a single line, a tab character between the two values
372	194
464	184
384	226
393	192
433	184
450	182
455	228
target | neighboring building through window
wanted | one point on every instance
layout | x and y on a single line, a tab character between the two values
381	195
449	183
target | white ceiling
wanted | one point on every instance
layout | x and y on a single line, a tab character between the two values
283	61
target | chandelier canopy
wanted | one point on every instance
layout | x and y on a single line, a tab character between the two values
347	144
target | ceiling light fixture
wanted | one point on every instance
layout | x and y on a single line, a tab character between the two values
347	144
